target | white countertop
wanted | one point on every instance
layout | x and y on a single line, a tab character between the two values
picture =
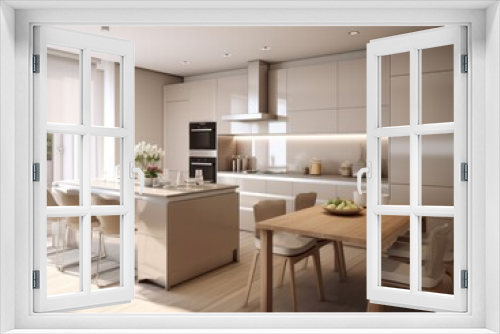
113	186
297	177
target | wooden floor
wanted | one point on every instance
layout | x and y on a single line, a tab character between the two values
223	290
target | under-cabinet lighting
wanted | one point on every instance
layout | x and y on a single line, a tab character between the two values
353	33
227	55
337	136
266	48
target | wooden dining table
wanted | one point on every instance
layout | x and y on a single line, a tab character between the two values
316	223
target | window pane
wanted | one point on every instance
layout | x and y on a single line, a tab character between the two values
63	255
395	89
105	166
437	169
63	85
395	262
106	267
105	90
437	84
63	172
437	254
397	160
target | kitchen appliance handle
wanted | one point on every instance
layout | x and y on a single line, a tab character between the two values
133	170
360	173
202	130
201	163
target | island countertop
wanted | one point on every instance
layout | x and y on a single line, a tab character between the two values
111	187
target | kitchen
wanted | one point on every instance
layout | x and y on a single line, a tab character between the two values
316	143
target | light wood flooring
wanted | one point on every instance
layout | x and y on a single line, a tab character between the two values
223	290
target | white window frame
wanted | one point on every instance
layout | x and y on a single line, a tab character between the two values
477	319
125	131
414	43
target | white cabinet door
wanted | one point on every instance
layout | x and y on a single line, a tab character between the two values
202	100
431	181
232	98
95	135
177	116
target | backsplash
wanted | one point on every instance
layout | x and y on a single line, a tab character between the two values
294	153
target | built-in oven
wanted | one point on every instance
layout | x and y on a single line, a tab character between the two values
202	136
207	165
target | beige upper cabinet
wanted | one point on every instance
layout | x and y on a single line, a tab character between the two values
311	87
311	99
352	83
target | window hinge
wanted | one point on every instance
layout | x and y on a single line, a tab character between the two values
465	64
36	279
36	63
465	279
464	172
36	172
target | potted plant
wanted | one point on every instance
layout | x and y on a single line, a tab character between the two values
146	158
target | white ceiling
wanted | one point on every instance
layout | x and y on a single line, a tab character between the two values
164	49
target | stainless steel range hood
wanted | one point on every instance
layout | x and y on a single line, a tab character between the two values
257	95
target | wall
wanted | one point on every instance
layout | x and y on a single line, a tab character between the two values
149	104
7	160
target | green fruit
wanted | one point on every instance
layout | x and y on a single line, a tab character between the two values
331	206
341	206
329	202
349	202
346	208
337	201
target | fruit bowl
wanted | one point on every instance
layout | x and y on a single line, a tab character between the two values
342	207
350	212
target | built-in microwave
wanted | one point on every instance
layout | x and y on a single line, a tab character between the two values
202	136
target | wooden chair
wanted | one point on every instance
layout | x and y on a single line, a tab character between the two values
396	273
65	197
306	200
110	226
290	246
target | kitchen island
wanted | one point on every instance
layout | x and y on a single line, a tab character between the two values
185	232
182	232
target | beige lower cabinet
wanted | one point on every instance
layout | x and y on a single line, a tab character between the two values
182	237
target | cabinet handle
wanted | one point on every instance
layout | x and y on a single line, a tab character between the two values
202	130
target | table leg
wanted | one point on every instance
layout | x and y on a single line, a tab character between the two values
266	270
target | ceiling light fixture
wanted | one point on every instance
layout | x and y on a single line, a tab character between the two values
353	33
227	55
266	48
104	28
185	62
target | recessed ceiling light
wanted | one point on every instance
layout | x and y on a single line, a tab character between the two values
104	28
353	33
185	62
266	48
227	55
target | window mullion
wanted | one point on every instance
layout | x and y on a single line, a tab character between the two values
86	231
415	266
